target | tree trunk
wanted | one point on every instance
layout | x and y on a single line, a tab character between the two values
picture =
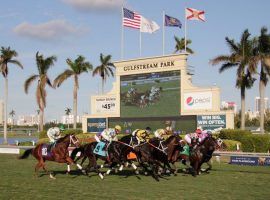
243	99
41	119
5	111
75	91
102	86
261	90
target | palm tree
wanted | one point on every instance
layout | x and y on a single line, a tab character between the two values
105	69
240	56
77	67
7	57
43	65
262	57
180	45
68	111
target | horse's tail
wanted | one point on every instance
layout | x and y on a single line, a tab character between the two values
26	154
75	151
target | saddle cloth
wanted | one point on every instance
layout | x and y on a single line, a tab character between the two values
185	150
46	150
100	150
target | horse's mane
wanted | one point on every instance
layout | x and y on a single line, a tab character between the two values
206	139
63	138
169	139
126	138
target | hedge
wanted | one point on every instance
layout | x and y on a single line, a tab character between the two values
231	145
249	142
43	134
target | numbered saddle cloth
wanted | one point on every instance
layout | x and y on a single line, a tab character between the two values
100	149
46	150
185	150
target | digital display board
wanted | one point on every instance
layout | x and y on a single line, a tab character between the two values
150	94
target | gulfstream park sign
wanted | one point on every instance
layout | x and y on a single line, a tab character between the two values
149	66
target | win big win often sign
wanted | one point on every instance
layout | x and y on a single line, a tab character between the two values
211	122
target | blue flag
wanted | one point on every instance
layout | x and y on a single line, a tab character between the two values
171	21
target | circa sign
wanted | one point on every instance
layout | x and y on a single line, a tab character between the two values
154	65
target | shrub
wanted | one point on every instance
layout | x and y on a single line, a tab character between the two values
42	134
231	145
231	134
72	131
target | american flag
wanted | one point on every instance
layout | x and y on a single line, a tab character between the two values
131	19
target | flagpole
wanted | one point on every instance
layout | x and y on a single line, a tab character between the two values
185	31
122	36
163	35
140	43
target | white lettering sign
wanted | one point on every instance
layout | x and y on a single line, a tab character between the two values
198	101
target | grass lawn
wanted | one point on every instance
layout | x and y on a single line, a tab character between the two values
17	181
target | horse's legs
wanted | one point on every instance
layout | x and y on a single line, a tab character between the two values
38	165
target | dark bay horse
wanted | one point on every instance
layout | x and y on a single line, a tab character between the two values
117	154
157	152
203	153
59	153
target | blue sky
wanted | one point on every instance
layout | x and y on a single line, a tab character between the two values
67	28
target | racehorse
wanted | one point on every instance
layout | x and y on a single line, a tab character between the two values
203	153
117	154
156	153
59	153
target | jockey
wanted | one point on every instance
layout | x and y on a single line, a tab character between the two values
109	135
191	137
160	133
141	135
54	134
204	134
131	91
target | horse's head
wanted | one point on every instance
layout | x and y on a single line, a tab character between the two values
210	143
73	140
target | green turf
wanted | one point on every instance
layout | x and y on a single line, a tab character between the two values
225	181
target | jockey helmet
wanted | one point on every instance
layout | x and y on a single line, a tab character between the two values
118	128
148	129
198	131
209	132
61	127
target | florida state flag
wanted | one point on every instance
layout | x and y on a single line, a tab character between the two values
193	14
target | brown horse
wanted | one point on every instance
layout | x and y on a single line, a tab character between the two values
203	154
59	153
156	153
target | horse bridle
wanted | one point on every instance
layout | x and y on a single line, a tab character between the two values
72	141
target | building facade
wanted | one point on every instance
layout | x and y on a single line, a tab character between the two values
258	103
157	92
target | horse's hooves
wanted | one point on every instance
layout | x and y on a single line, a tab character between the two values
137	172
52	177
101	176
67	172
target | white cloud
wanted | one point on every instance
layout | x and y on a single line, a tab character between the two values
55	29
86	5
